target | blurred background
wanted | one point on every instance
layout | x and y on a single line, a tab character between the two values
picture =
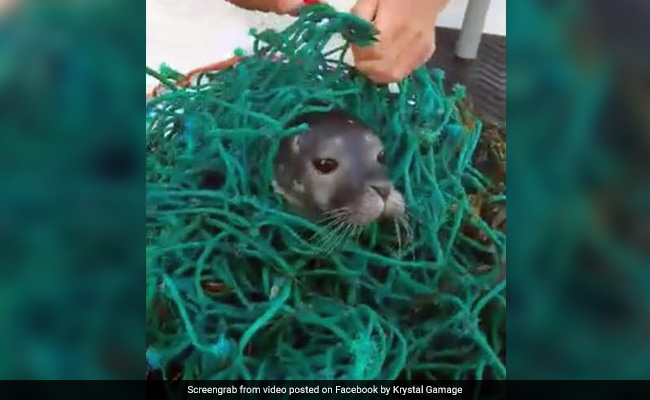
72	190
579	117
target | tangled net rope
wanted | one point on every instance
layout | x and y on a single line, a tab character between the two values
235	288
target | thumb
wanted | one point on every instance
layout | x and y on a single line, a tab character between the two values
289	6
366	9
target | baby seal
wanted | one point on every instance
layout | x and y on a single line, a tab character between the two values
337	169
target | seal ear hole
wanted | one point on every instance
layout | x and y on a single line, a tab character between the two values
381	157
325	165
295	144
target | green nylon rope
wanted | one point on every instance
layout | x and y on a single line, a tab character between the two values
235	287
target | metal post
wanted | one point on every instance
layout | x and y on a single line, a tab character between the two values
472	29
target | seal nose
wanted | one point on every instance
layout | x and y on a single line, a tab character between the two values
383	190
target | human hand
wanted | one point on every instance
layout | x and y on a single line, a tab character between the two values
276	6
406	38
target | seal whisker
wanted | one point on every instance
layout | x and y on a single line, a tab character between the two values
326	235
406	215
345	234
409	234
338	212
342	232
407	227
350	230
335	238
328	219
358	229
399	237
331	224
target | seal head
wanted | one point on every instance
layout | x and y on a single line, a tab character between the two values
336	167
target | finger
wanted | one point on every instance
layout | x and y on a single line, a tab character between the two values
387	38
244	5
425	51
366	53
372	52
379	62
288	6
399	55
389	25
412	51
380	72
365	9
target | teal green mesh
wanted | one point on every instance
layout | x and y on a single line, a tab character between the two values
236	288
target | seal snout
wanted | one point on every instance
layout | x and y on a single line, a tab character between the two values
383	190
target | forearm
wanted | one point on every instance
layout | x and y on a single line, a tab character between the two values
276	6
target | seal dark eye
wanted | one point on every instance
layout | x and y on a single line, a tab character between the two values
325	165
381	157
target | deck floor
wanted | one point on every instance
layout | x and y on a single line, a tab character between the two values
485	77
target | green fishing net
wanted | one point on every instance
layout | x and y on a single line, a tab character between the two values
237	288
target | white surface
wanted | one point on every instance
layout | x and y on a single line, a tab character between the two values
191	33
452	16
